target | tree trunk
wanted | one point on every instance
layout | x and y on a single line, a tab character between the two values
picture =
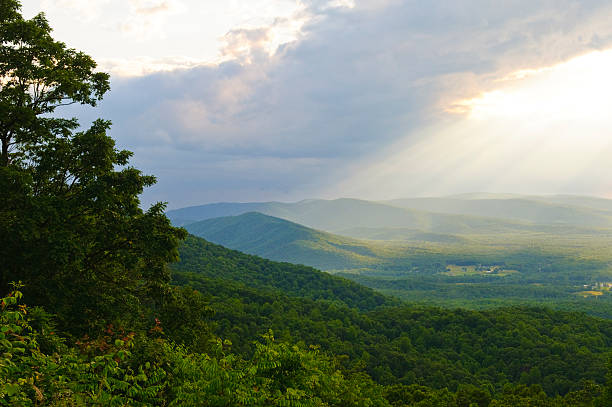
4	159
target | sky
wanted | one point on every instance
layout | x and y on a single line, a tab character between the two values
258	100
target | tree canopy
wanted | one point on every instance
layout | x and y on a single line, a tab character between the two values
71	226
38	75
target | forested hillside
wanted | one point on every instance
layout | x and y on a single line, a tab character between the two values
281	240
207	260
99	311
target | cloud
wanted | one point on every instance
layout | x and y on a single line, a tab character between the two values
541	131
85	9
147	18
142	66
140	37
148	8
249	45
356	80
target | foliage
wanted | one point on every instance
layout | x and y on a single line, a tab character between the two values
103	372
38	75
30	377
70	223
408	344
100	373
211	260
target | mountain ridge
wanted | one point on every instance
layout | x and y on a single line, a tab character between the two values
282	240
446	216
212	261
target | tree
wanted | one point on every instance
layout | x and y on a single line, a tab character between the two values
606	397
71	226
38	75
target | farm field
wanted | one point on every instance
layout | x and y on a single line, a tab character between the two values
477	270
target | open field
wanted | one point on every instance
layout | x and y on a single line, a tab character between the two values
586	294
477	270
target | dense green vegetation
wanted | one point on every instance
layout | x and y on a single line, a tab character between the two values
213	261
406	344
71	227
482	292
118	369
108	324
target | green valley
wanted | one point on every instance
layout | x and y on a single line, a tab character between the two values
539	264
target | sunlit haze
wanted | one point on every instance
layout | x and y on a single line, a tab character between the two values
543	131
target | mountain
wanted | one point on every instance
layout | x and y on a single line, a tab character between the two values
574	211
212	261
315	213
429	219
345	215
577	200
402	234
185	216
559	199
281	240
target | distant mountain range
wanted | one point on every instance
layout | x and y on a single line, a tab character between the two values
400	219
583	212
352	234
